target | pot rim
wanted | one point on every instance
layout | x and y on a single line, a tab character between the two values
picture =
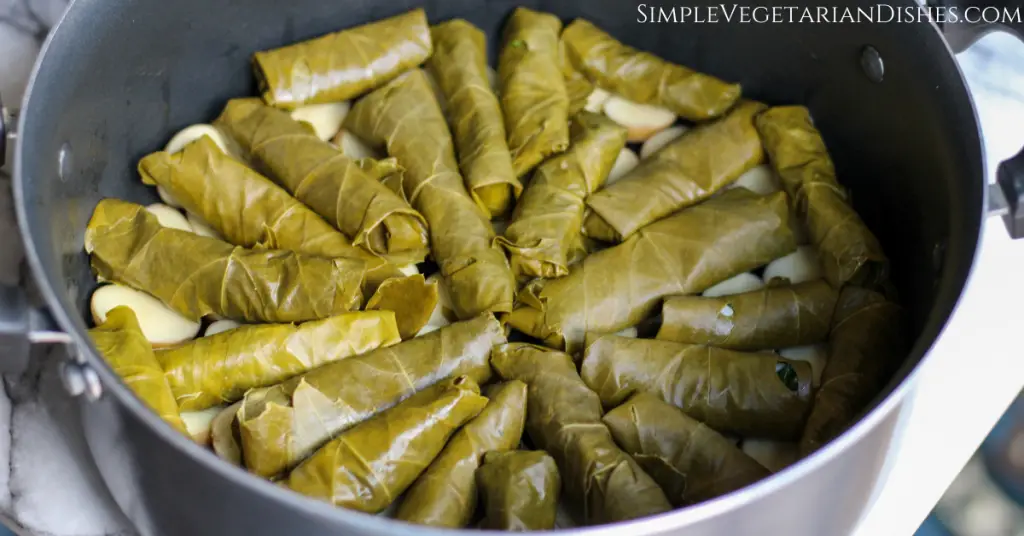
72	323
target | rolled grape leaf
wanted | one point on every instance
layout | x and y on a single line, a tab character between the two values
345	64
404	116
868	343
748	394
685	172
121	343
689	460
199	276
602	483
686	253
224	435
283	424
446	494
577	86
221	368
519	490
534	99
320	176
643	77
367	467
545	234
412	299
778	316
849	252
459	64
249	210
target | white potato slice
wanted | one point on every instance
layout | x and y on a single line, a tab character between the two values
161	325
222	435
800	266
641	120
773	455
353	147
492	78
661	139
192	133
409	269
739	284
596	100
628	332
624	163
169	217
198	423
201	228
167	198
220	326
326	118
761	180
814	354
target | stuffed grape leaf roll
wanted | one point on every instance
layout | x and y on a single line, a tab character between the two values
534	99
691	462
867	344
563	417
342	65
283	424
404	116
446	494
778	316
121	343
748	394
459	65
849	252
619	287
645	78
685	172
336	187
199	276
545	234
220	368
368	466
518	490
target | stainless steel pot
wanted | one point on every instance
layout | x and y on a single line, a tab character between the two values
118	76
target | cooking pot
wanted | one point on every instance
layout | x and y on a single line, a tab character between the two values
117	77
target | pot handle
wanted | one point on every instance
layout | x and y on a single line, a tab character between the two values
21	324
962	28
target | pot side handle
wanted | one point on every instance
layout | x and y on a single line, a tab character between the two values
1006	197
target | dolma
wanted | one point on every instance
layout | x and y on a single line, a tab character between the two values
219	369
778	316
563	417
691	462
367	467
345	64
412	299
405	117
849	252
446	494
198	276
534	99
248	209
577	86
333	185
748	394
645	78
545	234
867	344
283	424
518	490
686	253
459	64
683	173
121	343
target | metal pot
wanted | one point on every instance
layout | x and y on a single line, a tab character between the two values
118	76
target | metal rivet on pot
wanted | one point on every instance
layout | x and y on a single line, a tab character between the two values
80	379
872	64
64	162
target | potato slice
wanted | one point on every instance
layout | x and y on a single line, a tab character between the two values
738	284
814	354
222	434
192	133
167	198
161	325
201	228
169	217
661	139
409	269
198	423
220	326
761	180
624	163
628	332
797	267
326	119
353	147
596	100
641	120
